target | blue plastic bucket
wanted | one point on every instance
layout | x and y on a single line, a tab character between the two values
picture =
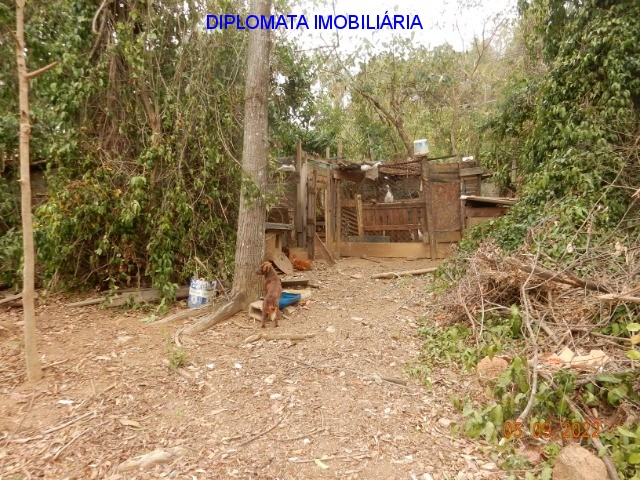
200	292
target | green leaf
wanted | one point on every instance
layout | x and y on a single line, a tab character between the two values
633	327
608	377
627	433
634	458
633	354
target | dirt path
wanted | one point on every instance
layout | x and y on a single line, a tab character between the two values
263	410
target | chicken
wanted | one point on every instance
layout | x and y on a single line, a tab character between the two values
388	198
301	265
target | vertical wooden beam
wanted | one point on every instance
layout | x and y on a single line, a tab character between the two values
428	204
339	153
329	211
463	220
301	196
338	232
359	215
311	214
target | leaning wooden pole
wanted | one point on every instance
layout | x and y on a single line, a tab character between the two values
34	369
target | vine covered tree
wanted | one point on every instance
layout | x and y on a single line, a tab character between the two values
250	240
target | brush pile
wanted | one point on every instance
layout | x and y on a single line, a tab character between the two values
581	317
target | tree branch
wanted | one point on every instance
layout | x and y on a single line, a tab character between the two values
40	71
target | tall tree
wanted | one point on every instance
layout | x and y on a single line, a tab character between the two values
34	370
252	214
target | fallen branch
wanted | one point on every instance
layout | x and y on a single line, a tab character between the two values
300	437
153	458
334	457
534	377
277	336
68	444
146	295
364	257
54	429
258	435
26	414
15	298
237	303
70	422
59	362
560	277
391	275
618	297
185	314
366	376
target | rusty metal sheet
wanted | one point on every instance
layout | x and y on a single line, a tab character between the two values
445	198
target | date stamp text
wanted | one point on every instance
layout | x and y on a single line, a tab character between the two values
545	430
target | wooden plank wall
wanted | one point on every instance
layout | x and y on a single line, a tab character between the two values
398	220
439	210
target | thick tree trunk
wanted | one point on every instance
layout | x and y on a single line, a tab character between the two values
252	216
34	370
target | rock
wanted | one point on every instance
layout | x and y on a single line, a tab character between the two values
534	457
445	422
331	329
124	339
491	368
577	463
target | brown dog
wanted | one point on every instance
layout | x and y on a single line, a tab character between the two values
272	292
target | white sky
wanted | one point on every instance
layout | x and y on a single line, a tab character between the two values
444	21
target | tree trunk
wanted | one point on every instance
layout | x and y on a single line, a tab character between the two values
34	370
252	216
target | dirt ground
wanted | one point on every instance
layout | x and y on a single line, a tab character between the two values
314	408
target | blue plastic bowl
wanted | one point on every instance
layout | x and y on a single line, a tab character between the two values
287	299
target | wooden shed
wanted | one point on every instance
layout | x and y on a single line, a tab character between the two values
339	207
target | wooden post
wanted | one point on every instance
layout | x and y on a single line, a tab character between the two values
338	232
359	215
329	210
426	182
463	221
339	153
305	199
301	197
311	214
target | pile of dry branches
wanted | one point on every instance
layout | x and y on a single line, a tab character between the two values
563	307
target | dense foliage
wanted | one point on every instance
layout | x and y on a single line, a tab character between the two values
578	126
386	98
140	131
